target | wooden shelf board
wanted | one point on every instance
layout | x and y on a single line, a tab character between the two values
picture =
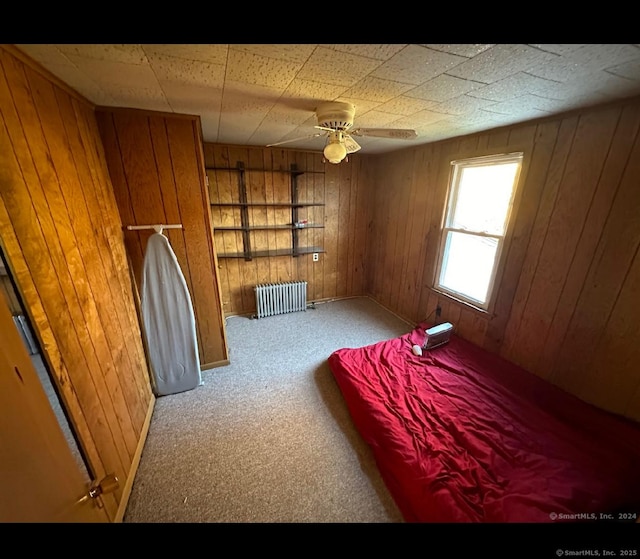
268	227
266	253
264	204
287	171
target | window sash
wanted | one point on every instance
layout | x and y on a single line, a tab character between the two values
447	227
443	264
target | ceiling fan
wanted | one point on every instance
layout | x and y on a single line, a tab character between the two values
335	119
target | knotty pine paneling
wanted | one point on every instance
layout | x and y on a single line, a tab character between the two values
61	233
567	291
343	189
156	165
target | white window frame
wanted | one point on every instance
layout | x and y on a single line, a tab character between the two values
452	198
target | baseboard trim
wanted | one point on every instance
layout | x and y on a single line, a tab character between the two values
128	486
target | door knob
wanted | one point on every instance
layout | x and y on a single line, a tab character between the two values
107	484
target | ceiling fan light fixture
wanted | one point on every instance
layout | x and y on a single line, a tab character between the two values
335	119
335	150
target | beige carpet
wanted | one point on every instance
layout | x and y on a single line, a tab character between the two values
268	438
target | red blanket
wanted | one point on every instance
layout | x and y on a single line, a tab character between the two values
461	435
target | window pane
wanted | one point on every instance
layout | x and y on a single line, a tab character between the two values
483	198
468	264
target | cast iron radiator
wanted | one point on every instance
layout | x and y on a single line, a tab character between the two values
279	298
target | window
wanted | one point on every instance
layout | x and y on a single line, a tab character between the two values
478	206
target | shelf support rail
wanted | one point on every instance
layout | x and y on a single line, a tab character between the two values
244	211
294	209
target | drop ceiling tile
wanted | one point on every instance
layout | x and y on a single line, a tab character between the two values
562	49
239	96
524	106
111	76
435	131
375	119
297	53
468	51
314	91
45	54
462	105
585	60
443	87
551	106
281	113
379	52
126	54
415	65
600	57
260	70
614	87
212	54
512	86
478	121
405	105
421	118
296	105
362	106
481	122
192	99
560	70
151	99
586	85
336	68
629	70
501	61
182	70
244	107
376	89
579	101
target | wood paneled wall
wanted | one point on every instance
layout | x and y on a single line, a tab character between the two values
157	168
568	290
61	233
345	191
6	288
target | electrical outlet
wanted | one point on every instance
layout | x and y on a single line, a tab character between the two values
438	311
315	256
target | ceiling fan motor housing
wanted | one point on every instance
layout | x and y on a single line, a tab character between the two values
336	115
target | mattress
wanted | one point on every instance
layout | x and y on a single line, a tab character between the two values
461	435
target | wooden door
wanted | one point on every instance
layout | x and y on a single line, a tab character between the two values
40	480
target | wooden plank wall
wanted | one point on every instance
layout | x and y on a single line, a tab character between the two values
343	189
157	168
568	291
9	294
61	233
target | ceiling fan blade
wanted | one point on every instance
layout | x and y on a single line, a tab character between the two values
351	145
393	133
296	139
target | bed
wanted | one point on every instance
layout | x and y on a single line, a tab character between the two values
461	435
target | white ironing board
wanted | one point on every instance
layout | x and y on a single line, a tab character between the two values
168	320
